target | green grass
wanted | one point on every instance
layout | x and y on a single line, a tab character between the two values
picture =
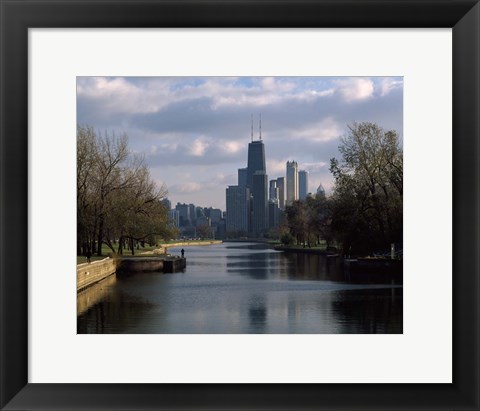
106	251
81	259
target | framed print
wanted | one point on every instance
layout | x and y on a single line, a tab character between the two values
55	75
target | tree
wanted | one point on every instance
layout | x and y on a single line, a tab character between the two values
368	195
116	198
86	153
309	221
204	231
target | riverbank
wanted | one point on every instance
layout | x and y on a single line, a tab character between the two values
163	248
94	272
306	250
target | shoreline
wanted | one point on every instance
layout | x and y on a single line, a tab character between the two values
191	243
163	248
305	250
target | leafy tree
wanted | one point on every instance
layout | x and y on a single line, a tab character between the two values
117	201
204	231
368	196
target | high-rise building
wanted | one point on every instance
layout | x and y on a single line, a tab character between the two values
238	209
273	213
184	214
174	218
242	176
273	190
202	221
281	192
320	192
256	160
199	212
167	203
252	210
292	182
193	213
260	203
215	215
302	184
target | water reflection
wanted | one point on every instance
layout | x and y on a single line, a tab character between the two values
245	288
257	313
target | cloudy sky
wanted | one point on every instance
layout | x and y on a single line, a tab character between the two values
194	131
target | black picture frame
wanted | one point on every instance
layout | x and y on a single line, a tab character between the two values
17	16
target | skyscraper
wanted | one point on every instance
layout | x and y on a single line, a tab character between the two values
242	176
260	203
302	184
184	214
238	210
273	214
292	182
281	192
248	201
256	160
320	192
273	190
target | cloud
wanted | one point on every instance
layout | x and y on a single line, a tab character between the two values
185	188
198	147
389	84
355	88
194	131
324	130
312	167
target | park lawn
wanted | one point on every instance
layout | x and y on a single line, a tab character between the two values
82	259
106	251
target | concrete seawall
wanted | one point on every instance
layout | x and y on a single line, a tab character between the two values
128	265
139	264
88	274
93	294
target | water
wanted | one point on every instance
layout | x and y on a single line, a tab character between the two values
242	288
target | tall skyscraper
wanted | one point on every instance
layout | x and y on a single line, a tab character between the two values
238	210
292	182
256	160
302	184
242	176
252	180
184	214
281	192
260	203
174	218
273	214
273	190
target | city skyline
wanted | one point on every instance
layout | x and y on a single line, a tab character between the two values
194	131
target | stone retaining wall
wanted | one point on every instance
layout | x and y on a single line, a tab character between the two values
88	274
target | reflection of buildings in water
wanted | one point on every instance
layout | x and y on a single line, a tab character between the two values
94	294
257	313
254	265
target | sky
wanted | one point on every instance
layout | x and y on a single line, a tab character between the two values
194	131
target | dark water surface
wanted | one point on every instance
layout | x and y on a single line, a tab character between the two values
242	288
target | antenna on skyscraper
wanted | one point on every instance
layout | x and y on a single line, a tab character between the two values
252	127
260	126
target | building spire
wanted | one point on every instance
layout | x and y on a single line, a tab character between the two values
252	128
260	126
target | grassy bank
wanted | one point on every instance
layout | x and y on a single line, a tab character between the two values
154	250
318	249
